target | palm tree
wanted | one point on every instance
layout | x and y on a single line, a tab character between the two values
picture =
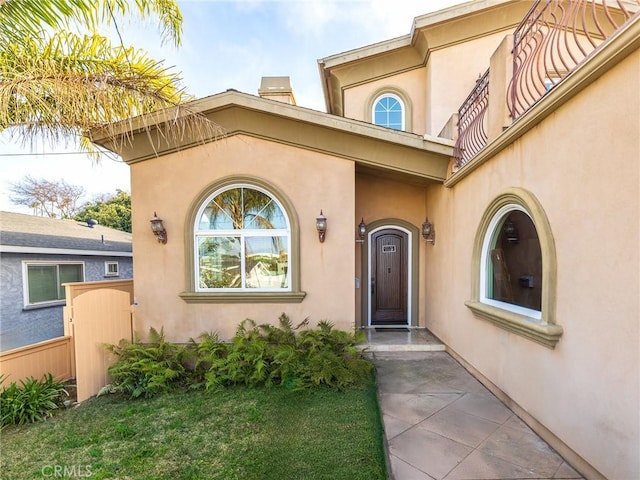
59	79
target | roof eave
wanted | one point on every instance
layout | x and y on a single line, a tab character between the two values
243	114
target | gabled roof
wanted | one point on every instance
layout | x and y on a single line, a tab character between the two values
20	233
417	157
429	32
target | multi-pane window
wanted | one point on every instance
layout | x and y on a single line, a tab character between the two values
111	269
44	281
242	241
388	111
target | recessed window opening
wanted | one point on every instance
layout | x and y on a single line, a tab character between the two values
511	263
388	111
242	242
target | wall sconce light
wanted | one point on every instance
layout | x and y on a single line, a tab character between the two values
158	229
511	232
321	226
428	232
362	230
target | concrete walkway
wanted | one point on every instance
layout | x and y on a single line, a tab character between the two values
441	423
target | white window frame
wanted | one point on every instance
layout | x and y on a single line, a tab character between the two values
402	106
25	281
198	233
107	270
490	238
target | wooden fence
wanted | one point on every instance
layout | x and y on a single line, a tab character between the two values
51	356
96	313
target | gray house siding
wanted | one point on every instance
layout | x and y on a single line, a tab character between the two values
28	238
27	325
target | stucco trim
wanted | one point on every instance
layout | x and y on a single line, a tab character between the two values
544	331
547	335
190	295
244	297
430	32
613	51
424	157
415	266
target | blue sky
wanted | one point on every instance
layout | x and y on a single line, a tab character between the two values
231	45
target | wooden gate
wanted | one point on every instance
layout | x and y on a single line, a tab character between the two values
97	313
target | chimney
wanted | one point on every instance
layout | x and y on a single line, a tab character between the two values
278	89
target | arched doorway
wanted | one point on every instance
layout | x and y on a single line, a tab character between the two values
389	279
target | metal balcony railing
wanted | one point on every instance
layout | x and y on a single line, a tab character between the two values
554	38
472	128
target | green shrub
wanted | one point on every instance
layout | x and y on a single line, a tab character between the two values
291	356
31	401
146	369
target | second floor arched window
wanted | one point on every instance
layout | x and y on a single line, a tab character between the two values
389	111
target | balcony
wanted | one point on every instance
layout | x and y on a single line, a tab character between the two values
553	41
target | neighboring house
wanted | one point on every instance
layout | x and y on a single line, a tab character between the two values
37	256
492	164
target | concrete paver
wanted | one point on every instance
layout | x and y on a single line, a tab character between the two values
443	424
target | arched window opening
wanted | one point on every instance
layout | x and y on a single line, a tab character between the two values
513	262
513	282
242	241
389	111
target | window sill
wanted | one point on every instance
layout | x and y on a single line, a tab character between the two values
36	306
243	297
544	334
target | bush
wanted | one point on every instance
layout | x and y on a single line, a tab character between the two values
288	356
146	369
258	355
31	401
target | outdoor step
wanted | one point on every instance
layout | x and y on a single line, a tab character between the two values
400	340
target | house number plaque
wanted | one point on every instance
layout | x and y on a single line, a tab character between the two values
388	249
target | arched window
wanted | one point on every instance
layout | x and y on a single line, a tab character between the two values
511	263
242	239
514	268
244	245
389	111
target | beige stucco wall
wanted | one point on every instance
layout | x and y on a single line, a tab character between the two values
378	198
452	73
312	181
436	90
358	100
582	164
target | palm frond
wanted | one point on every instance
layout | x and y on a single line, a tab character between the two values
24	18
63	86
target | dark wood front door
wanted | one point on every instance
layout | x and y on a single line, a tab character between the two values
389	277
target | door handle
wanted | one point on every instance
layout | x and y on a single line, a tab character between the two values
373	286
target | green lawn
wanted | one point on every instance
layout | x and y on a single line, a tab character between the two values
235	433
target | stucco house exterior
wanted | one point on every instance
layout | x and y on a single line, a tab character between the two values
478	177
38	255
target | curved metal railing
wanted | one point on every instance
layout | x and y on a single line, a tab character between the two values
553	39
472	128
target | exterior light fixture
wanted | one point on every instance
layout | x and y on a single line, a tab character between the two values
321	226
362	230
158	229
511	232
428	232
